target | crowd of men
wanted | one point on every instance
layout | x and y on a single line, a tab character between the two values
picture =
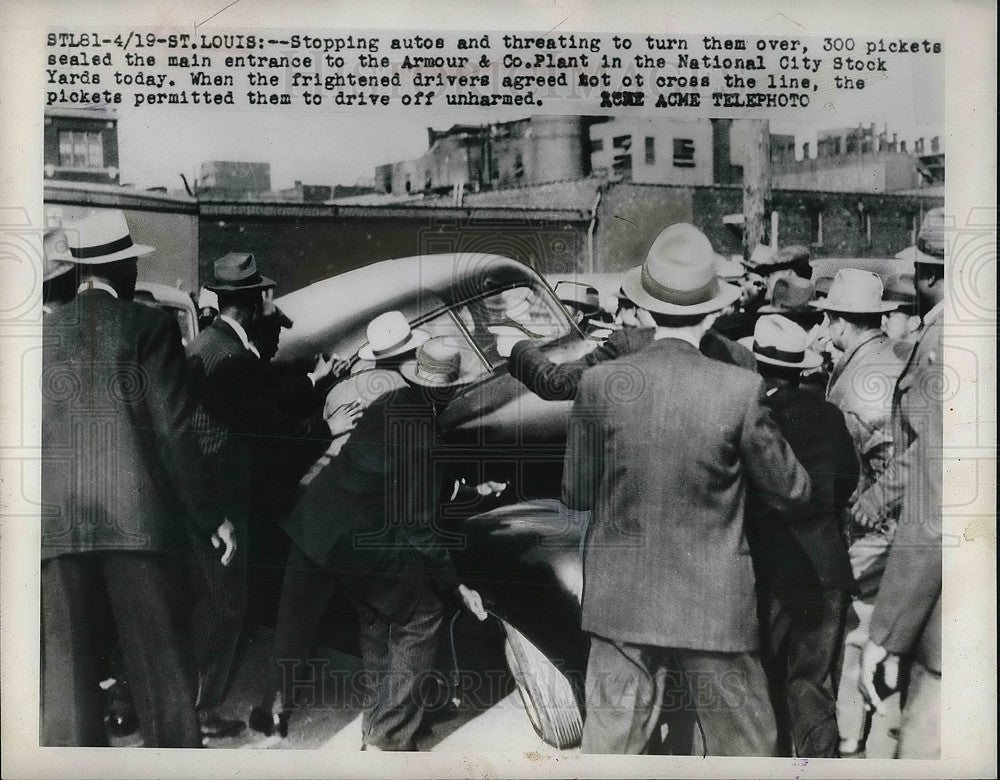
762	563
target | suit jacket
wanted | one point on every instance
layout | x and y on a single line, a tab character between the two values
907	618
807	550
663	462
259	425
861	387
561	382
371	512
120	468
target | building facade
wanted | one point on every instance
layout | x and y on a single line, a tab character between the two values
81	145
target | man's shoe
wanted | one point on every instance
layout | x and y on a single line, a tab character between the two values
214	726
267	722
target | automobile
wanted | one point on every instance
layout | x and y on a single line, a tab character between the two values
524	556
173	301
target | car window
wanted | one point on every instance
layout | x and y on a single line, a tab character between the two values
498	321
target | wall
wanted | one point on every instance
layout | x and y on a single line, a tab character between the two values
662	170
300	245
174	233
871	172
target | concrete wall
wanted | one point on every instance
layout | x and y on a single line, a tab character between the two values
662	169
299	246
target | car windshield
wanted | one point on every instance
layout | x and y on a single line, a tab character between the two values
498	321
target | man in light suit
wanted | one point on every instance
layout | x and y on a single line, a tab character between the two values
120	473
861	387
906	623
661	446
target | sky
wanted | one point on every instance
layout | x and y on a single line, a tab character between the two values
331	146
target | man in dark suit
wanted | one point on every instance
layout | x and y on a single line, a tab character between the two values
248	413
804	577
663	462
561	381
906	623
366	527
120	473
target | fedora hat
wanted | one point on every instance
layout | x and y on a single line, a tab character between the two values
679	275
440	362
101	237
778	341
790	295
854	291
237	272
389	334
929	249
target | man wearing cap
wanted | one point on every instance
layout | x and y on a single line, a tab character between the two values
249	414
662	445
789	262
803	571
367	528
906	624
861	387
121	473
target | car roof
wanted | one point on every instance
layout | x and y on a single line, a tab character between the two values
336	311
164	293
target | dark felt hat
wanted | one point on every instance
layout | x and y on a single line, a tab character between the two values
237	272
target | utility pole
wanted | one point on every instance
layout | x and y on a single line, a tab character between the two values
756	185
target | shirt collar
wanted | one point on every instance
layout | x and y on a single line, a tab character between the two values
97	284
934	313
241	334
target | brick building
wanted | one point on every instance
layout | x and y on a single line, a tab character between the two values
81	145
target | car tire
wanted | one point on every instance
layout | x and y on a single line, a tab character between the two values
547	695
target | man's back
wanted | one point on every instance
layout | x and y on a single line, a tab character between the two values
676	436
116	405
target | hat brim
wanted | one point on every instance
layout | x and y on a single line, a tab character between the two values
914	254
417	337
769	309
810	359
882	308
632	284
467	374
263	284
136	251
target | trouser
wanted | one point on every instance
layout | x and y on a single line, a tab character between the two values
920	727
143	590
398	655
217	618
712	703
803	635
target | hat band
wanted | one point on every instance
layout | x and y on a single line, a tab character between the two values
395	345
779	354
666	294
431	368
87	252
248	281
929	248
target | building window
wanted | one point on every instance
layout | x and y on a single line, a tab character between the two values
80	149
597	145
816	220
902	146
918	147
683	153
805	151
935	145
650	150
622	164
518	166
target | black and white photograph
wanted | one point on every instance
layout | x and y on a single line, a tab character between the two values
515	388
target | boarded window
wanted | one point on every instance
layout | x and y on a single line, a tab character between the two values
650	150
683	153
